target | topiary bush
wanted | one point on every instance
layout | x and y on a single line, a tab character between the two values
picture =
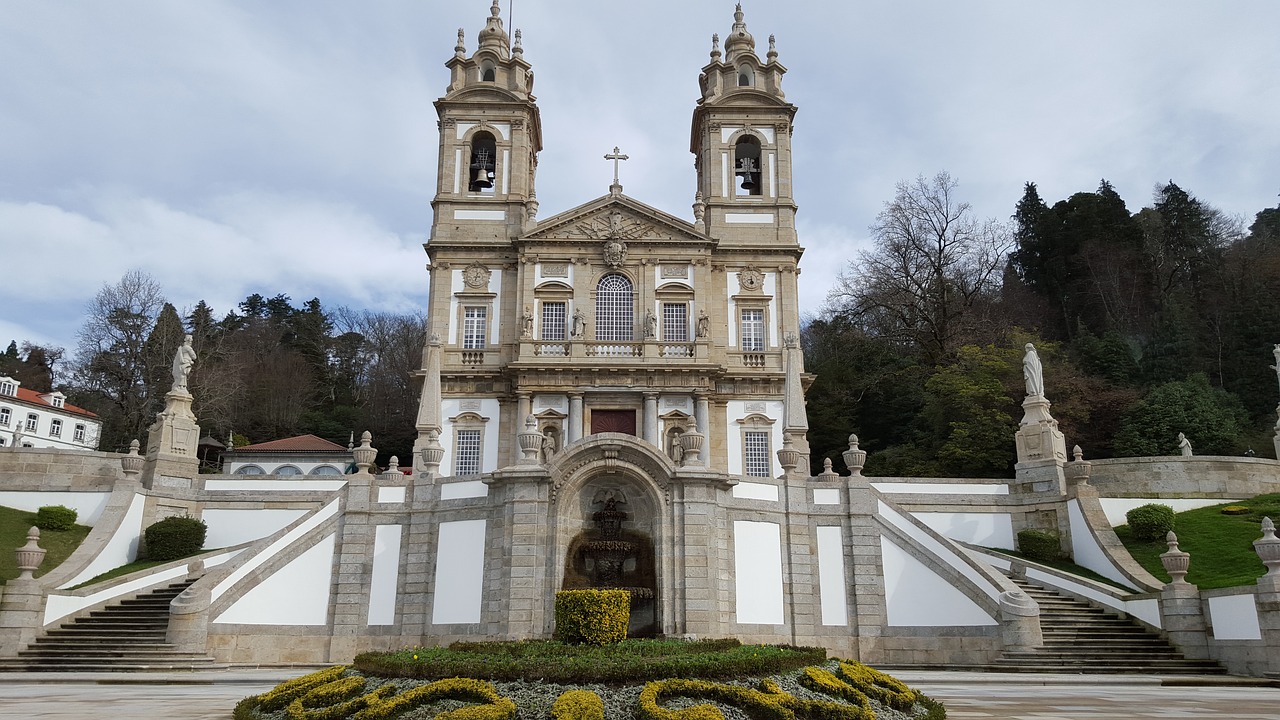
55	517
1150	522
175	537
578	705
1236	510
1040	545
594	617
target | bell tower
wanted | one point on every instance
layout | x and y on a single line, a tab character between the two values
741	139
490	135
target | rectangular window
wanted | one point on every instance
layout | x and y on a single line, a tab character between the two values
57	402
474	325
7	388
755	456
78	434
33	421
466	453
55	428
753	330
5	414
675	322
554	315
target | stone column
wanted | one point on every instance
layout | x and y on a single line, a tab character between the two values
22	599
1181	608
524	406
574	431
651	418
523	585
701	410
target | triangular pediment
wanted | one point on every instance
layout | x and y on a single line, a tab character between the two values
616	216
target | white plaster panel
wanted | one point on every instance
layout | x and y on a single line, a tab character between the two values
385	574
770	287
724	174
1148	610
479	215
757	561
1085	548
463	128
456	284
258	483
551	402
489	408
943	552
1234	617
391	494
1115	508
916	596
60	606
457	171
459	580
88	505
826	496
121	548
229	527
566	280
755	491
831	585
465	489
986	529
296	594
304	527
941	488
727	131
736	410
506	171
504	129
749	218
773	174
495	327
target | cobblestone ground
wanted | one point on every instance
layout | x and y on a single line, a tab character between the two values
975	698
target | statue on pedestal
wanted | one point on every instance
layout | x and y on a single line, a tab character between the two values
579	324
1033	372
183	360
704	325
1184	445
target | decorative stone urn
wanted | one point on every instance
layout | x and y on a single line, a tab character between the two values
692	441
788	456
1175	561
828	473
132	463
433	453
30	556
530	441
1268	548
365	454
854	458
1077	471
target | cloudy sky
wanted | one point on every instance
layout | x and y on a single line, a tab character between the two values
230	147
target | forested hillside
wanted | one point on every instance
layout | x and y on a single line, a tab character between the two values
1149	323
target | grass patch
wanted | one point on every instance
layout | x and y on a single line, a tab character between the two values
59	545
1221	545
1068	567
132	567
556	662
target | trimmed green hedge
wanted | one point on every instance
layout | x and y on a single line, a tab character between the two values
55	517
1040	545
175	537
1151	521
594	617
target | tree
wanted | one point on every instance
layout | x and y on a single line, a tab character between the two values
933	272
1212	419
110	372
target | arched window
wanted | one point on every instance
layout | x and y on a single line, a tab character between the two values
746	165
249	470
483	166
615	309
325	470
287	470
488	73
746	77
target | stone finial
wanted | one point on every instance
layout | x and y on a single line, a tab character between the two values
773	49
393	465
699	207
692	441
530	441
1077	453
1077	471
1268	548
828	473
133	462
855	457
788	456
715	46
1176	562
432	453
518	50
365	454
30	556
461	48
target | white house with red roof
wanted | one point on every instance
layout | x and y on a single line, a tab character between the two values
44	420
301	455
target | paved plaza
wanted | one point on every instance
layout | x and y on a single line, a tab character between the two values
209	695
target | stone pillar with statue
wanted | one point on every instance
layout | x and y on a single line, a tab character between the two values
1042	449
174	436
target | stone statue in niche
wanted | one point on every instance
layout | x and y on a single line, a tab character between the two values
527	319
704	324
1033	372
650	325
183	360
579	324
1184	445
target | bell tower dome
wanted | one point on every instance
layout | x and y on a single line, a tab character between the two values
741	140
490	136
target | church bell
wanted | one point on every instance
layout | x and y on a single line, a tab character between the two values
482	167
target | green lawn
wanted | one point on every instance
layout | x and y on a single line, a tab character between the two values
1221	546
13	535
1068	567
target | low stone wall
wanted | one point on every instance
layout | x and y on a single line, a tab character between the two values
1203	476
50	469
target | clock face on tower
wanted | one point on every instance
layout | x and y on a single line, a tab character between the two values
750	279
476	276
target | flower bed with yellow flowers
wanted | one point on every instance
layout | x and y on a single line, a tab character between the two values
818	689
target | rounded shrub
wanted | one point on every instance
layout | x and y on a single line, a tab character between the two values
1040	545
55	517
594	617
1236	510
1151	521
175	537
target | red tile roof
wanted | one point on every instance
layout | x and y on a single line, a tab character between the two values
31	397
301	443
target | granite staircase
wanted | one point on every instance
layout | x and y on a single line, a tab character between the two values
1080	637
127	636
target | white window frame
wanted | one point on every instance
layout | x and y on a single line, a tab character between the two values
615	309
555	319
475	327
78	434
5	416
33	423
752	332
56	401
8	388
55	427
468	451
757	460
675	321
